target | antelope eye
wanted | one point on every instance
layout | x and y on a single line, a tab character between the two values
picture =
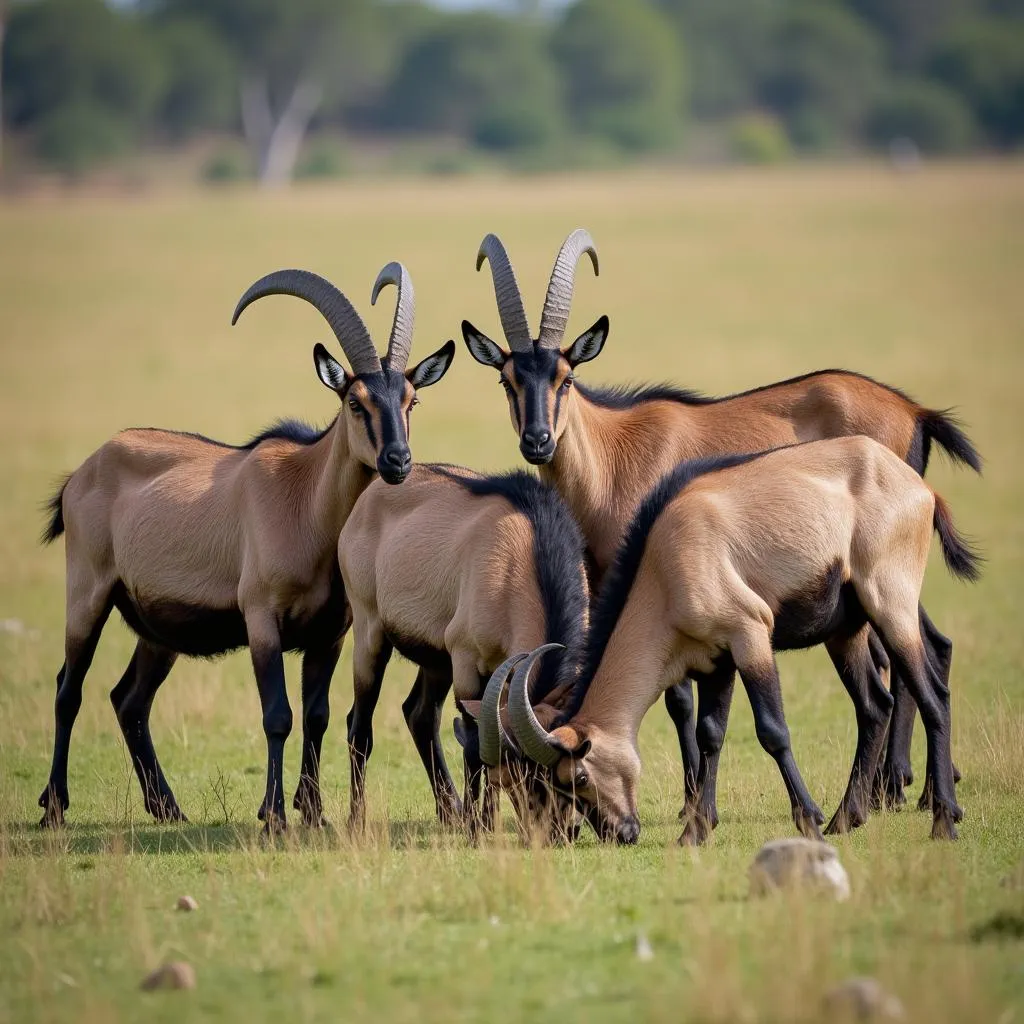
581	781
414	402
567	383
354	405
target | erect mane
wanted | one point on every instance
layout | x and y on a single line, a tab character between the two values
618	581
558	556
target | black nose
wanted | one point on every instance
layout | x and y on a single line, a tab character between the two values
536	441
399	459
628	832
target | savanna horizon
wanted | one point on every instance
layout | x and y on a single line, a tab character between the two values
715	283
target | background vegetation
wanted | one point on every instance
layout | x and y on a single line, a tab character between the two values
116	312
396	84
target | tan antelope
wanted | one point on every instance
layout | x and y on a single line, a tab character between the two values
206	547
605	448
727	561
457	572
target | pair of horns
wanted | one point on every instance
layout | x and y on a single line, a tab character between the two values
528	735
340	314
557	302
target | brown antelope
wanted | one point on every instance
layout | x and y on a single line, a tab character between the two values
727	561
605	448
206	547
456	571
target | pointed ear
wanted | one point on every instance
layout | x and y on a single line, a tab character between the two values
433	368
588	345
582	750
331	373
481	348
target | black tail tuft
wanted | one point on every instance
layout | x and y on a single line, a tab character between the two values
961	559
55	509
942	427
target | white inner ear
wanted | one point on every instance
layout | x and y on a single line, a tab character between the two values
429	371
332	373
586	346
485	351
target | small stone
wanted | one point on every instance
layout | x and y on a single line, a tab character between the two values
782	863
494	920
644	951
174	975
862	999
187	903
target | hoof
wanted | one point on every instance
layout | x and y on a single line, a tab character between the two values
943	827
273	824
696	831
167	813
809	822
450	814
52	819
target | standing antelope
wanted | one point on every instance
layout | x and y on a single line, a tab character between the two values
605	448
205	547
457	572
727	561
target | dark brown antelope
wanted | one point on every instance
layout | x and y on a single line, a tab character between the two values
605	448
727	561
205	547
457	572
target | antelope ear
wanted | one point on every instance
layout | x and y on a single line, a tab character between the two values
569	740
433	368
471	708
589	344
331	373
481	348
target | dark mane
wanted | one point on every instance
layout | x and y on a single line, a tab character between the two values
284	430
624	396
611	599
558	558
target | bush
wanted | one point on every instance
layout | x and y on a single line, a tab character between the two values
323	157
229	164
79	134
510	124
758	139
933	117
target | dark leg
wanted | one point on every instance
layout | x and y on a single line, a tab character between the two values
679	704
765	693
133	701
422	709
714	700
475	775
79	647
852	658
931	692
939	649
369	675
896	770
277	725
317	671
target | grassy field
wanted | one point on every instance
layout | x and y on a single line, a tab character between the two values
115	312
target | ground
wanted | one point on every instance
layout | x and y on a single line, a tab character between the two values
115	312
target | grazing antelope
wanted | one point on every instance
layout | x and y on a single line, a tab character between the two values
727	561
605	448
205	547
456	571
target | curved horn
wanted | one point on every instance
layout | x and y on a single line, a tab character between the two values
531	736
489	727
346	323
559	297
506	291
400	342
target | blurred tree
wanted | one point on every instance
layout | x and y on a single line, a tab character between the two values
824	66
727	47
290	55
79	63
910	27
3	25
480	76
983	60
935	118
622	67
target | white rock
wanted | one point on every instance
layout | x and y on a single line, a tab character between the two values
176	974
187	903
862	999
799	862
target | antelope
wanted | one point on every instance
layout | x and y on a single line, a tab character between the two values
206	547
605	448
728	560
457	571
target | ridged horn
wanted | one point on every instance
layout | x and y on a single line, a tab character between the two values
489	728
558	300
531	737
506	291
400	342
345	322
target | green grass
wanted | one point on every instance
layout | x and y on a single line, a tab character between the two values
115	312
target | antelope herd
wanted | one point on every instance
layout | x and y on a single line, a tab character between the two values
670	539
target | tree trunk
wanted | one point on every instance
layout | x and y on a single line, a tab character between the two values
276	144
